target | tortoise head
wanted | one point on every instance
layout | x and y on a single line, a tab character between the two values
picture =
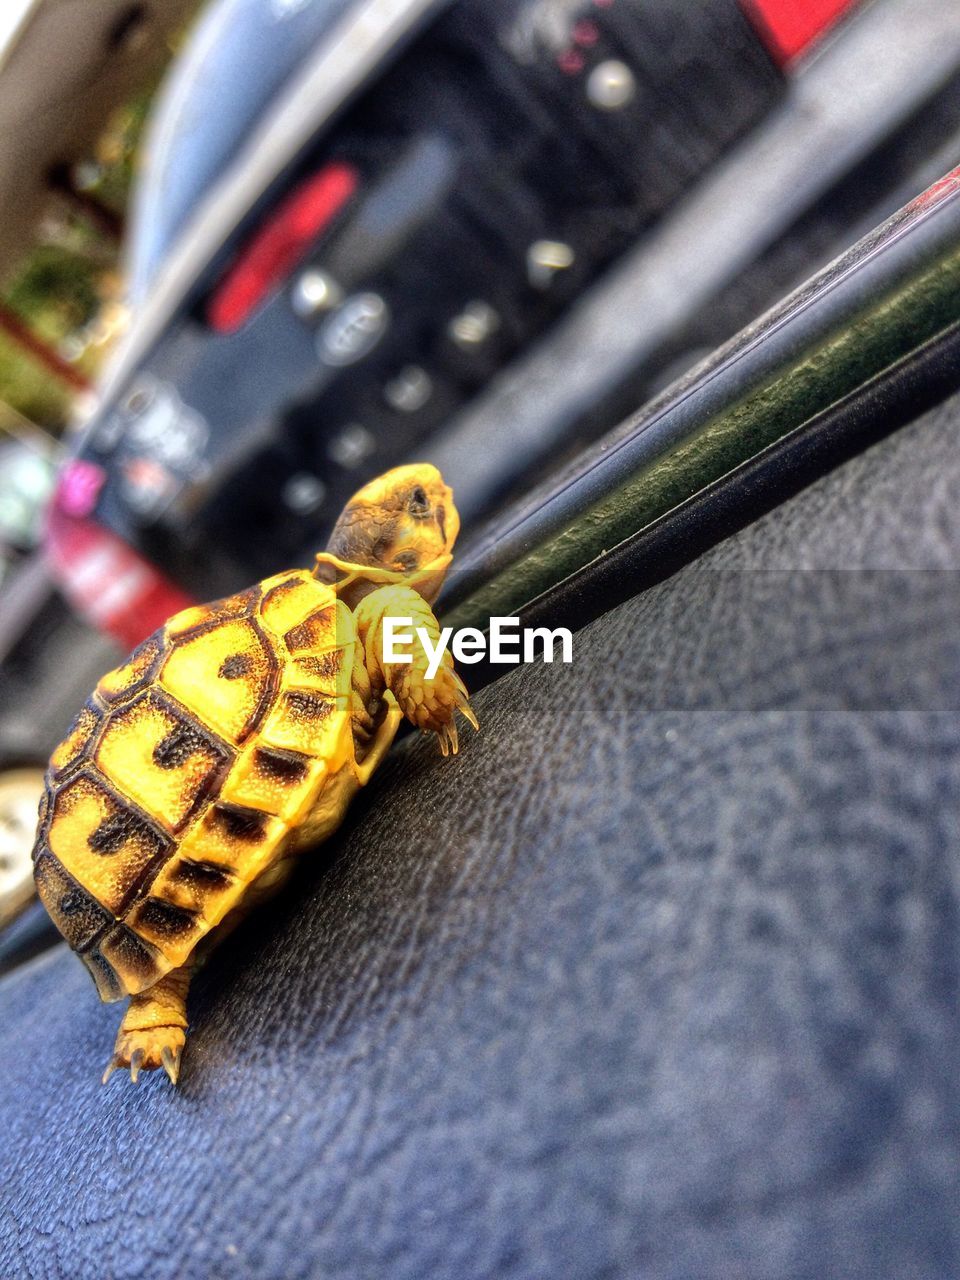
403	522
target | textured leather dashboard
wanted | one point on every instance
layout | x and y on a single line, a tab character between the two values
658	978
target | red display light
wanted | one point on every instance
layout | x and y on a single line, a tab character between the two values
276	248
790	27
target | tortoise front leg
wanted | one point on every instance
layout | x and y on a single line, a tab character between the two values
154	1028
429	702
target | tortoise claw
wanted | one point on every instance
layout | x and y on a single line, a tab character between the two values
171	1063
447	734
146	1049
465	709
458	684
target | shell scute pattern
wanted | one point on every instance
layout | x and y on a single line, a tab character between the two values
182	777
317	633
311	709
76	914
272	780
106	845
288	598
160	757
72	748
202	616
223	675
132	675
132	963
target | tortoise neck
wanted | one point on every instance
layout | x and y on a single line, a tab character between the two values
357	580
331	569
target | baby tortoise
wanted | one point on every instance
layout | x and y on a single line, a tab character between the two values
233	738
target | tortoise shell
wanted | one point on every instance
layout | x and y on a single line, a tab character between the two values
183	778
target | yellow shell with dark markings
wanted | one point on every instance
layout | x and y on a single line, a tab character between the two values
191	772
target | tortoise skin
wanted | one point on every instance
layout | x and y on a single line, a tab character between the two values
193	770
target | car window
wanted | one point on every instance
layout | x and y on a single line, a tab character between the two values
238	60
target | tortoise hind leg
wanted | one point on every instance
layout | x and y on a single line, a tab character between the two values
154	1028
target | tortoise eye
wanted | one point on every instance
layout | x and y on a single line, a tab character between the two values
419	502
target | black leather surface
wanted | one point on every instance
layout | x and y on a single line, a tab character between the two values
658	978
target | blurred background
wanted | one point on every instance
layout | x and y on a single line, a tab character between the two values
254	251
